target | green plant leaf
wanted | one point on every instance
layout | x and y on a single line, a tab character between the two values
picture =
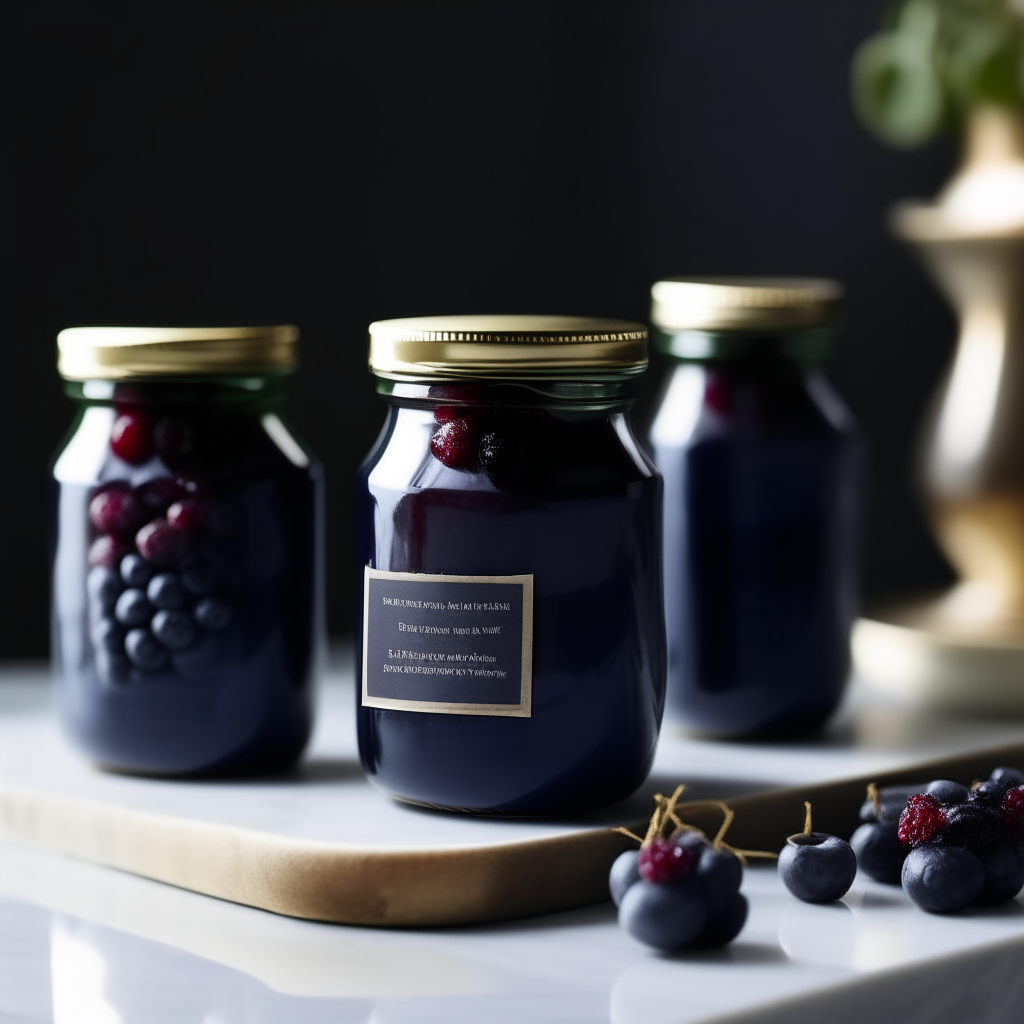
896	90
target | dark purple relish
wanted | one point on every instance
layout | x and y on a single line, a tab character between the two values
185	636
560	492
761	465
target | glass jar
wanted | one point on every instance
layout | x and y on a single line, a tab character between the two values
511	636
762	470
187	609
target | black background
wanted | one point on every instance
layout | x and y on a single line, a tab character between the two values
329	164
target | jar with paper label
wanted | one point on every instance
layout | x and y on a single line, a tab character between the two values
511	642
187	611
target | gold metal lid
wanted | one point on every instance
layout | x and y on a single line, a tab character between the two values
505	347
119	353
744	303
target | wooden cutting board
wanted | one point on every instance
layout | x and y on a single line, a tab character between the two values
324	845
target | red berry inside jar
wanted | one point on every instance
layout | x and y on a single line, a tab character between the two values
161	543
185	556
117	510
131	438
454	443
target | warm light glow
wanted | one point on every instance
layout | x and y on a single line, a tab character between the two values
971	400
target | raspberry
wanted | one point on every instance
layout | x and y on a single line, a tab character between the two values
662	861
453	444
447	413
922	819
1013	812
130	439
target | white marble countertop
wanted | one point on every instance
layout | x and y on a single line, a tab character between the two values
81	944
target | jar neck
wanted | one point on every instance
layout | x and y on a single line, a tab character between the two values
810	347
605	395
225	394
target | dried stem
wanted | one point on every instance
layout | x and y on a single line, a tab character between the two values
873	797
665	813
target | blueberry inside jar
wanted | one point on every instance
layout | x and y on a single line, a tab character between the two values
511	637
187	609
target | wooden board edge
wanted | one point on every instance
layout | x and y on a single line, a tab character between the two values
321	881
415	888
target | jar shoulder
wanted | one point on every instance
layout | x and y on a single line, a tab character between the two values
524	452
184	444
700	405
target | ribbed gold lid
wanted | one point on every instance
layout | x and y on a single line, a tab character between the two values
505	347
744	303
119	353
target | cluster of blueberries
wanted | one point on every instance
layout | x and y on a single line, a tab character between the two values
151	598
948	845
681	892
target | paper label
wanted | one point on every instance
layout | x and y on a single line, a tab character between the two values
454	645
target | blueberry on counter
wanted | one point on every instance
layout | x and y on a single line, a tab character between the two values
816	867
681	890
1004	874
975	825
886	803
876	846
988	793
724	923
624	873
1007	778
947	792
667	917
721	874
941	879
